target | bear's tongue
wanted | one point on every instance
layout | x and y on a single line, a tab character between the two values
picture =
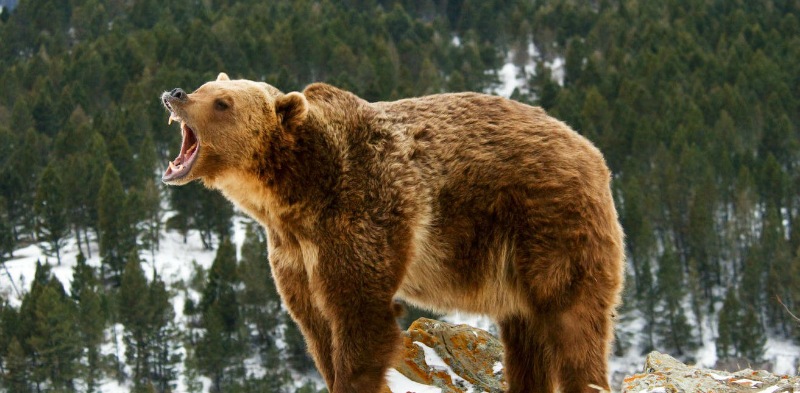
181	165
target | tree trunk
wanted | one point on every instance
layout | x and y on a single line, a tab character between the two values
78	238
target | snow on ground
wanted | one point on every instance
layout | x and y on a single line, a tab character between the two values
434	361
784	356
399	383
172	262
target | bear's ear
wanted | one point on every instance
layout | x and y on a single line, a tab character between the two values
223	77
291	109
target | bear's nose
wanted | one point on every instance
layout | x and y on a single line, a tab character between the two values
178	93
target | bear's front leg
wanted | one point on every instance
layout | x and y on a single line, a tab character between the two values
293	285
355	286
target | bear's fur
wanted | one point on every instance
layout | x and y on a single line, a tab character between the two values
460	202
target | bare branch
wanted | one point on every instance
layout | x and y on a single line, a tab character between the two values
787	308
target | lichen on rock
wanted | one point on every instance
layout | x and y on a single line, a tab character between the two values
470	357
663	373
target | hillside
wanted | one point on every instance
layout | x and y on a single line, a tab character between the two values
696	106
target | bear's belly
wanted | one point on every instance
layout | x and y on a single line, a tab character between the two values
431	283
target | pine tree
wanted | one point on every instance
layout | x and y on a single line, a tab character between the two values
135	211
72	152
164	335
56	348
152	214
21	118
648	300
261	305
17	375
220	349
544	88
751	287
742	233
728	326
134	313
50	207
71	139
675	331
98	160
574	61
695	291
116	240
213	216
9	331
84	290
753	337
119	150
777	256
7	242
184	203
191	377
702	235
75	177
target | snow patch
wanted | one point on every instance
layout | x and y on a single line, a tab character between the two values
434	361
783	354
557	68
497	367
747	382
719	377
399	383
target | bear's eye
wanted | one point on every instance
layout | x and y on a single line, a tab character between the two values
221	105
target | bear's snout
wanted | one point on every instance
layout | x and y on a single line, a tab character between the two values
178	93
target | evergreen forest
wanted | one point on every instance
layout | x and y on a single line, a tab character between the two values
695	104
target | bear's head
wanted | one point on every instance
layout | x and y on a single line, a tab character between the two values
225	124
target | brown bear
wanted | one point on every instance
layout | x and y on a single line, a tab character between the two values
460	201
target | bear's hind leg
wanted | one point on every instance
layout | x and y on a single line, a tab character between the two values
364	350
581	337
528	366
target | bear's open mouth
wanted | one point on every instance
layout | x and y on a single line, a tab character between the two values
190	146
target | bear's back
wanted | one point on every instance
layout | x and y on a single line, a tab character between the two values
474	138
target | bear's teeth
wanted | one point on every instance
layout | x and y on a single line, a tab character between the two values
173	117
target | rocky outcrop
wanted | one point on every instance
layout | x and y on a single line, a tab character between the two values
454	358
464	359
664	374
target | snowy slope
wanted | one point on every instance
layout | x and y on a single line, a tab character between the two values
173	263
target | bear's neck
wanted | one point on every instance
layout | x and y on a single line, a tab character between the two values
290	184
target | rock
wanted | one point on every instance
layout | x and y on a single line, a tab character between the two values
664	374
454	358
